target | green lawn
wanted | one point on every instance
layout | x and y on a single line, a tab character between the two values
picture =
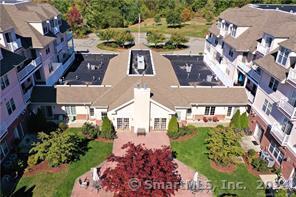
193	153
197	27
61	184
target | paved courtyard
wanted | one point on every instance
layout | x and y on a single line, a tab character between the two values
152	140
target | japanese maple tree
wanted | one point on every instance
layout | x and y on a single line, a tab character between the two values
74	17
142	172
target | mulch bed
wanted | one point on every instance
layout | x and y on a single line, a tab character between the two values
227	169
44	167
100	139
184	137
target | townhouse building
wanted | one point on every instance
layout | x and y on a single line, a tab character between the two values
36	47
255	47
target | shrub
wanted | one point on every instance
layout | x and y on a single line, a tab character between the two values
89	130
281	193
260	165
223	146
107	129
251	155
56	147
63	126
244	121
205	119
173	128
235	120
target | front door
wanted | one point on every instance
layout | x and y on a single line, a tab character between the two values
258	134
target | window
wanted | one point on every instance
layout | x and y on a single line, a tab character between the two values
229	110
210	110
159	123
4	82
207	110
273	84
233	31
287	126
274	150
222	45
268	41
3	149
122	123
267	107
47	50
216	41
10	106
70	110
103	114
283	56
230	53
45	29
188	111
91	111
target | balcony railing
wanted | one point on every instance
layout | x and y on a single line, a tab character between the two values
59	46
287	108
262	49
69	35
279	135
28	69
27	95
60	69
14	45
292	75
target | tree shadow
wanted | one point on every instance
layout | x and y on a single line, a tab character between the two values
228	195
24	192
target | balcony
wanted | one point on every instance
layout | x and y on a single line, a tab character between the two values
287	108
60	69
27	95
14	45
29	69
279	135
262	49
56	29
59	46
292	76
69	35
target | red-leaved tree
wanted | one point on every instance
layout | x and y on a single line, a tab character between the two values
142	172
74	17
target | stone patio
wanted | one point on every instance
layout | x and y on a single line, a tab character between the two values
151	140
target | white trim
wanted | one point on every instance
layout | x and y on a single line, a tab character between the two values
121	106
164	107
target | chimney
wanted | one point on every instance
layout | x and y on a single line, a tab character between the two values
141	108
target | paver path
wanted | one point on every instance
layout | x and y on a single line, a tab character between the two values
152	140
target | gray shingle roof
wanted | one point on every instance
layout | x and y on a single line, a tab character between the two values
9	61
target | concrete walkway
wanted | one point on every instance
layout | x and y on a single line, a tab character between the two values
195	45
152	140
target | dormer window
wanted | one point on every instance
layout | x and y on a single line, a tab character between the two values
233	31
283	56
8	37
219	24
268	41
45	28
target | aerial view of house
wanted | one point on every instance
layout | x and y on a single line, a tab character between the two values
147	98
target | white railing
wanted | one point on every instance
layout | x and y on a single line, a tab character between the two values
14	45
69	35
56	29
61	68
250	96
292	75
27	95
288	108
279	135
262	49
28	69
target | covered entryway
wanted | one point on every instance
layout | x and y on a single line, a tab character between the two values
258	134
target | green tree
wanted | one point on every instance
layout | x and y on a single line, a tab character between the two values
244	121
107	129
57	148
90	130
155	38
208	11
178	39
157	18
173	127
106	34
198	5
235	120
123	37
223	146
173	18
